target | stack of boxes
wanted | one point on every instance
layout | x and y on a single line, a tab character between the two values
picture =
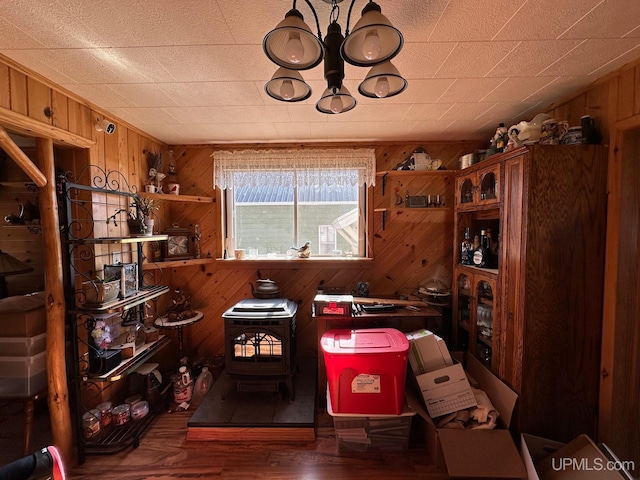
23	356
443	383
366	371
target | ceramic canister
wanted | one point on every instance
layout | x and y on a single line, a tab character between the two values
572	137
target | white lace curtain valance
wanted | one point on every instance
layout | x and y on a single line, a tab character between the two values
312	167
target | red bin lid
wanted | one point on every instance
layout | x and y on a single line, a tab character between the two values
373	340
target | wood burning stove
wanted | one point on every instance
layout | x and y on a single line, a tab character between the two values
260	344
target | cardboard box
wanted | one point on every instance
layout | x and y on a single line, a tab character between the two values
427	352
23	315
580	459
475	453
446	390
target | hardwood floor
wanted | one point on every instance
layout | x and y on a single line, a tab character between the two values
164	453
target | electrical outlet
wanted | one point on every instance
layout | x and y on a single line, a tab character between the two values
116	257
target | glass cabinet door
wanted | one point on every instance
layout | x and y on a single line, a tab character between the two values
463	309
466	191
489	185
484	322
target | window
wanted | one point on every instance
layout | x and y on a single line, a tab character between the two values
276	200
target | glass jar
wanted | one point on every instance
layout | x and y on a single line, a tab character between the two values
139	410
105	413
121	414
91	424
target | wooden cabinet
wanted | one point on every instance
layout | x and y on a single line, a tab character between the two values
550	219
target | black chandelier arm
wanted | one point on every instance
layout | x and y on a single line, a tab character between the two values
346	30
315	15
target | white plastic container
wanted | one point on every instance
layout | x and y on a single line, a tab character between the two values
23	346
202	386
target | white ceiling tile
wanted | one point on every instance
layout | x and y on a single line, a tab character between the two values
470	89
14	38
471	20
474	59
150	116
102	95
143	95
591	55
545	19
427	112
531	57
52	24
621	17
208	94
152	22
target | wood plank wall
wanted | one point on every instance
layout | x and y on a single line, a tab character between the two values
41	102
413	247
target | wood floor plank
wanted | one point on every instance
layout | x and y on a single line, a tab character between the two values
165	453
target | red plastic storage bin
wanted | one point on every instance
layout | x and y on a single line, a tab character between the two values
366	370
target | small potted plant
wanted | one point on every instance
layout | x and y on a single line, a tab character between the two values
100	290
146	207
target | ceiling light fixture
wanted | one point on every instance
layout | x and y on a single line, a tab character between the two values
373	43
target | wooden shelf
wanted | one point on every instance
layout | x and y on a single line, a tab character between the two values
177	263
120	240
165	197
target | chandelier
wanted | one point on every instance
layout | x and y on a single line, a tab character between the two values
372	43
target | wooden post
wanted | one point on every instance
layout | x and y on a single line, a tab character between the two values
58	396
21	159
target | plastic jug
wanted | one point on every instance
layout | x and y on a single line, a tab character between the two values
203	385
182	386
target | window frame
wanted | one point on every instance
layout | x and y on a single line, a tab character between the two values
228	210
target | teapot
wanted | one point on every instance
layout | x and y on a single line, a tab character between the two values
265	288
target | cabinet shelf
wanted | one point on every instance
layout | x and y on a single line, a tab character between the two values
130	364
165	197
472	269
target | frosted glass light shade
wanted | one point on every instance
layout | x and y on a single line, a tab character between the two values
292	44
288	86
385	72
356	47
331	99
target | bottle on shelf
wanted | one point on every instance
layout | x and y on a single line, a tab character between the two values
481	253
466	248
202	386
172	178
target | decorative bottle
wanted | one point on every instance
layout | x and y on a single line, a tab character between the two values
466	248
480	254
172	178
